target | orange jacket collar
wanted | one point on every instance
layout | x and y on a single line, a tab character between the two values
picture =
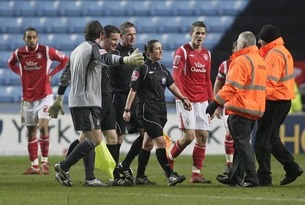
243	51
264	49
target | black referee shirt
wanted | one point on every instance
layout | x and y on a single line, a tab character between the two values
150	81
120	75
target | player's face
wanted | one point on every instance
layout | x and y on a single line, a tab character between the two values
198	35
31	39
112	41
129	37
157	53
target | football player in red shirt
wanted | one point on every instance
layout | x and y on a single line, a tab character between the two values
191	72
32	62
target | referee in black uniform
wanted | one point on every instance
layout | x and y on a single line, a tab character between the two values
149	82
119	85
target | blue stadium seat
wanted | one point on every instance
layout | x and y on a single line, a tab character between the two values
171	25
95	8
10	42
57	25
5	55
140	8
208	8
40	23
71	8
49	40
148	24
184	8
48	8
162	8
77	24
7	8
68	41
219	23
117	9
10	94
26	8
14	25
167	59
233	7
4	73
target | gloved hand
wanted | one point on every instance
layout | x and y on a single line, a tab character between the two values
136	58
22	109
211	108
56	107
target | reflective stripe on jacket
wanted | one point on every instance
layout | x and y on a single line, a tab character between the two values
280	70
244	92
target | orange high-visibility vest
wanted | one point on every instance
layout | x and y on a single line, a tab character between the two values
280	70
244	92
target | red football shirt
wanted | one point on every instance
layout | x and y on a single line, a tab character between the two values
223	70
34	69
192	73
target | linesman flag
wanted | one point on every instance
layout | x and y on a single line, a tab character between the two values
104	160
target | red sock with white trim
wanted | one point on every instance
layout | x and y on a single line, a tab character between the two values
198	157
33	151
44	148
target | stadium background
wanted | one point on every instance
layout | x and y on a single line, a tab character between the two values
61	23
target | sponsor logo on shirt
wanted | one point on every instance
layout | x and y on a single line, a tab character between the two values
135	75
30	65
198	68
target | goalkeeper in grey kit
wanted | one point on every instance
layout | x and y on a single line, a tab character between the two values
84	74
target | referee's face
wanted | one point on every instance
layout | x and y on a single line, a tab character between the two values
129	37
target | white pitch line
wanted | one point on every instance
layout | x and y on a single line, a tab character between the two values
213	197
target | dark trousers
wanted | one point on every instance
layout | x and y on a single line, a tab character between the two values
243	160
267	141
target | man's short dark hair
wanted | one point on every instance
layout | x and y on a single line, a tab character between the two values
126	25
29	29
109	29
198	24
93	30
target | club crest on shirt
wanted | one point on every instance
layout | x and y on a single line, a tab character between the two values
135	75
206	57
39	55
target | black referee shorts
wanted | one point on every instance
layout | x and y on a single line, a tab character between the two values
108	114
86	118
153	117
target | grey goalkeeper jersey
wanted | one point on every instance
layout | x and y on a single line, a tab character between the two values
84	74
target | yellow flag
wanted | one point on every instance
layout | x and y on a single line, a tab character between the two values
104	160
168	141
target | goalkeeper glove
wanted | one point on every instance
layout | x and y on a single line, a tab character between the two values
56	107
211	108
136	58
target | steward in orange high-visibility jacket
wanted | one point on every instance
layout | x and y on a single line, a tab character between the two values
244	96
244	92
280	77
280	91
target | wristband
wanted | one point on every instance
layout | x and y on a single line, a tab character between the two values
126	110
183	99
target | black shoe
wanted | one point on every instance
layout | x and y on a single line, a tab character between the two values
224	179
120	182
126	173
289	178
175	178
144	181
